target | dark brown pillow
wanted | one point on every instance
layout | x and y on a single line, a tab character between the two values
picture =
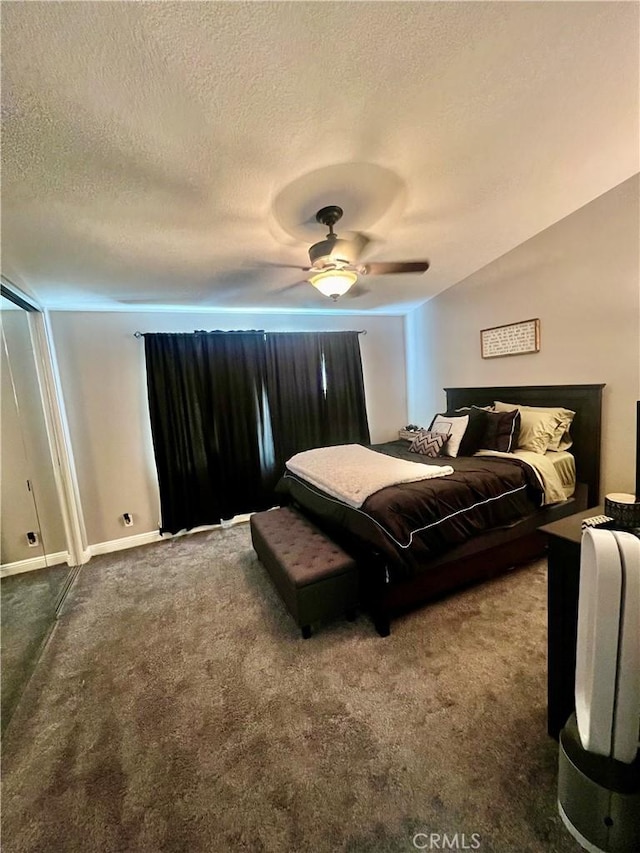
501	431
474	434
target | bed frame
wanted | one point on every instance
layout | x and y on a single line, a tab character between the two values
497	551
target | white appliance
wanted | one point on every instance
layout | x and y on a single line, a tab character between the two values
599	762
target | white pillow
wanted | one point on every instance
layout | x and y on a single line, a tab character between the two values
455	428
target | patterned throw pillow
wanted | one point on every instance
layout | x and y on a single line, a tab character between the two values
428	443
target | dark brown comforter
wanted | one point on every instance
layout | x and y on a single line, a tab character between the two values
410	524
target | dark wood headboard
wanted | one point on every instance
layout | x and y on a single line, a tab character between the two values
584	400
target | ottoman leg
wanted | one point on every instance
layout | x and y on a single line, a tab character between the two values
306	632
382	624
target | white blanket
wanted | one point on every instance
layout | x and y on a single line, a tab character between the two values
351	472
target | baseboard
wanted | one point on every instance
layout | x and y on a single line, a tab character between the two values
124	543
42	562
33	563
155	536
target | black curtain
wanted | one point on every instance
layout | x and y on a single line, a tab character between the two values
316	392
295	393
235	406
346	411
208	422
229	408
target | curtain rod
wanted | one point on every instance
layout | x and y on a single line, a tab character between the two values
142	334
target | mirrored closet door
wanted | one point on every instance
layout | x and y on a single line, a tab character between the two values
33	549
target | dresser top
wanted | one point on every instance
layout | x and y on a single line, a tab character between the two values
571	527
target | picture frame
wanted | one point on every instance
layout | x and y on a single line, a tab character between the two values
511	339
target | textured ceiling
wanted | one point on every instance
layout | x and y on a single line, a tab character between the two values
168	153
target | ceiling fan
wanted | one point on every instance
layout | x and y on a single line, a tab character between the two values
334	261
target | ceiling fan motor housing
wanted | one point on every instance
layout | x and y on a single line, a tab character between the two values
333	250
334	253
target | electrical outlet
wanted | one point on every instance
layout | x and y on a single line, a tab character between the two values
33	540
128	519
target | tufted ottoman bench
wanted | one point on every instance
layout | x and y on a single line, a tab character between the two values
315	577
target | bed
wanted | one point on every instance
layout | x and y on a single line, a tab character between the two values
399	570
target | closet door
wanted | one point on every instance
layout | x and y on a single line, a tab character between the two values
32	525
33	548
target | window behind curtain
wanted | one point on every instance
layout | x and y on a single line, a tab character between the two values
208	422
316	391
229	408
295	393
345	406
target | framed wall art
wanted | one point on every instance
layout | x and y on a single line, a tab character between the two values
512	339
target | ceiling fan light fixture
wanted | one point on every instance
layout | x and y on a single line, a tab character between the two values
334	283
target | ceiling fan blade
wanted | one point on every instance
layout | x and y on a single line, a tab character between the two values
392	267
356	291
283	266
291	286
359	242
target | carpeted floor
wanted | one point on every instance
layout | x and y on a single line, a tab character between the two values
176	708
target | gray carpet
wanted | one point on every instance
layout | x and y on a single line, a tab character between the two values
176	708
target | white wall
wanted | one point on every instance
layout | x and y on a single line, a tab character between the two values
104	386
581	277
